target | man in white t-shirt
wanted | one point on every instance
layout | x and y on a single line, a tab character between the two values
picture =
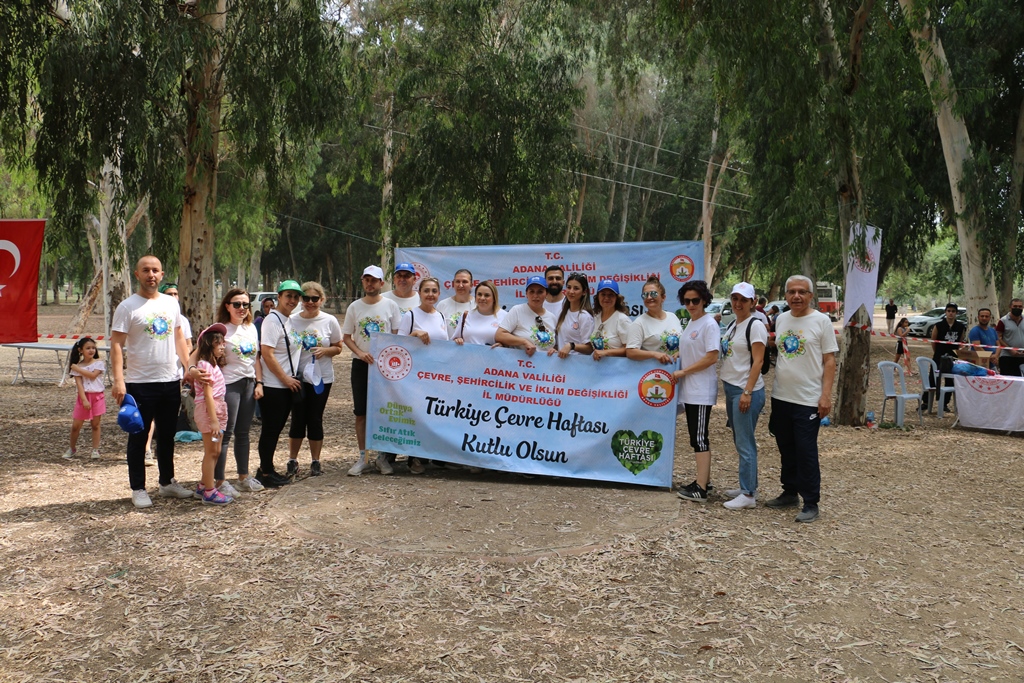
528	326
454	306
802	395
149	324
554	276
372	314
403	293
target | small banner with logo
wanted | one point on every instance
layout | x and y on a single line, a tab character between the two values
21	246
862	274
610	420
509	266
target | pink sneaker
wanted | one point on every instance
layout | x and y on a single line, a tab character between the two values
215	497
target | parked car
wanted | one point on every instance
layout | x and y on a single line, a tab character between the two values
257	300
921	325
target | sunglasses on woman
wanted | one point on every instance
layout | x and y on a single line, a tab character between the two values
651	295
239	304
540	324
691	302
310	299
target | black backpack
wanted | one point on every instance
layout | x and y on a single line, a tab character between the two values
766	362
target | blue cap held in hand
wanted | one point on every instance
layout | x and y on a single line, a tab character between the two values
128	417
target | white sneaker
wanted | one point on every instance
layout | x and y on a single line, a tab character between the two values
732	493
250	483
149	459
95	454
228	490
383	466
360	465
140	499
740	502
175	490
69	453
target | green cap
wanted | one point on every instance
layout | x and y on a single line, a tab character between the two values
167	285
289	285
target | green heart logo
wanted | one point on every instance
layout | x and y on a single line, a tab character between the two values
636	453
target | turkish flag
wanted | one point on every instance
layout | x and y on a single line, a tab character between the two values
21	246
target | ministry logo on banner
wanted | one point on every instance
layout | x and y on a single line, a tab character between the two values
21	246
502	410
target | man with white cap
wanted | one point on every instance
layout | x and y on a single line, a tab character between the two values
370	315
403	293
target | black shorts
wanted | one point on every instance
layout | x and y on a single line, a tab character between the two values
698	418
360	377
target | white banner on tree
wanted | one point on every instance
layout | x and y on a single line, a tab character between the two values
610	420
862	275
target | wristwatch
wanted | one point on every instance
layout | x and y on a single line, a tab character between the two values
748	393
572	346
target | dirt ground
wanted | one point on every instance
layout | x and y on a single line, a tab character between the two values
914	572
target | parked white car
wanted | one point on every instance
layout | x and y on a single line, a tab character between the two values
921	325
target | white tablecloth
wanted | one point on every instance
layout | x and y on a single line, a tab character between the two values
990	402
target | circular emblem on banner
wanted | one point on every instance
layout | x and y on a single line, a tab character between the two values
865	266
656	388
682	268
989	385
421	272
394	362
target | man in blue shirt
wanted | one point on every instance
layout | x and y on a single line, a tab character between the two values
982	334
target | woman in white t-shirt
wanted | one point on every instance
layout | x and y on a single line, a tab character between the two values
576	321
655	333
611	323
427	324
744	344
478	325
696	381
529	326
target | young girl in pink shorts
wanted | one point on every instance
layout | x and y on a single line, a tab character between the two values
90	404
211	412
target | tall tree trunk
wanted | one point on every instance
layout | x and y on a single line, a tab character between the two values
645	195
253	284
624	215
204	86
979	287
387	210
1009	272
291	251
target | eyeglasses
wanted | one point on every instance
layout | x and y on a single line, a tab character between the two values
540	324
651	295
691	302
239	304
310	299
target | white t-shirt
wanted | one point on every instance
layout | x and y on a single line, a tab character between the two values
186	330
650	334
555	307
612	333
363	320
240	352
433	324
701	337
403	304
759	316
522	322
323	330
576	327
478	328
92	386
274	335
736	355
802	342
149	324
452	310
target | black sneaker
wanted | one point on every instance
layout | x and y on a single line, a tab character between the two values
808	514
694	492
314	469
784	500
271	479
293	468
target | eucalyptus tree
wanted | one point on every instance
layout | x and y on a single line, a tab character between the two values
152	86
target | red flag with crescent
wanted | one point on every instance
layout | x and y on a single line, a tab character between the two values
21	246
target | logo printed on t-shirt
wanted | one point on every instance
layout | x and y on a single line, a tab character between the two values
243	348
370	326
158	326
791	344
541	338
669	342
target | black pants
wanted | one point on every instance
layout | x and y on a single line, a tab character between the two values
308	421
796	433
275	406
158	402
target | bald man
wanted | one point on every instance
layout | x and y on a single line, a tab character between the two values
149	324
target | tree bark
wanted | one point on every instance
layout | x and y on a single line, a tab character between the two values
1009	272
387	210
979	288
204	88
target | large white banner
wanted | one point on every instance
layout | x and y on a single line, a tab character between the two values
610	420
628	263
862	276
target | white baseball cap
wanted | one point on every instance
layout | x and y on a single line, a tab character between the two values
744	289
374	271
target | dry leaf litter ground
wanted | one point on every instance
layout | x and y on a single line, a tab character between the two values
914	571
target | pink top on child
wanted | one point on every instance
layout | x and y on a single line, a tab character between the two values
216	382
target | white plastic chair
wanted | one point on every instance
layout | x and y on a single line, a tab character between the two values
890	371
927	367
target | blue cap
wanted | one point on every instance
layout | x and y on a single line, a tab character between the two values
128	417
536	280
406	267
608	284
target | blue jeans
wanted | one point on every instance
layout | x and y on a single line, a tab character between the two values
743	425
796	433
